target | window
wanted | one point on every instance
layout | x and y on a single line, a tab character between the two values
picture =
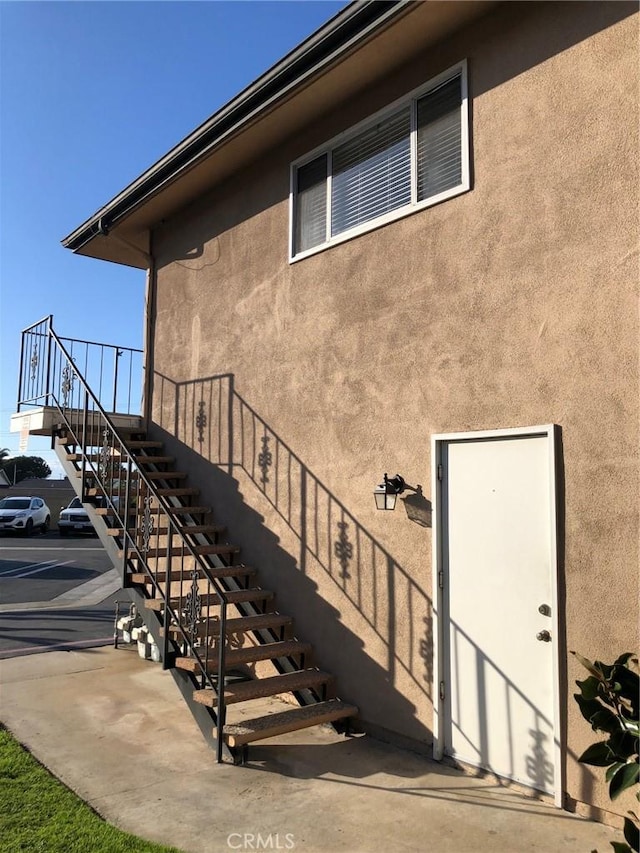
409	156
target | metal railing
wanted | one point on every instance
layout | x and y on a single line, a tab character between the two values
151	539
114	372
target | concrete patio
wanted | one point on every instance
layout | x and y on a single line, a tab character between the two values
115	729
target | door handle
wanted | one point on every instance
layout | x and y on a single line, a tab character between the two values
543	636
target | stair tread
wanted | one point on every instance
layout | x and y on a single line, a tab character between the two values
250	654
179	492
258	622
166	475
238	596
260	688
177	575
261	622
271	725
154	460
207	529
92	434
189	510
266	651
77	457
197	549
172	510
192	529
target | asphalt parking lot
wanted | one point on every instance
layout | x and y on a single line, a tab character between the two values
55	594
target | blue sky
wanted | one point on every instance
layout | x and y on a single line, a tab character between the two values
91	94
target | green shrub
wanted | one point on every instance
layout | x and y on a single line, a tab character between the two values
609	700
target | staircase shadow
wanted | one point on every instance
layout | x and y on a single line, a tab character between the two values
355	757
331	573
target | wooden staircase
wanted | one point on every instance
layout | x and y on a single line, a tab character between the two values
164	538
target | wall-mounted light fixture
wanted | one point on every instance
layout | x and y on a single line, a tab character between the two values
386	493
418	507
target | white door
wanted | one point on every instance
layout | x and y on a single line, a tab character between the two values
496	524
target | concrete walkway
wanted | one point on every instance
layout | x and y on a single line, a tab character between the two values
115	729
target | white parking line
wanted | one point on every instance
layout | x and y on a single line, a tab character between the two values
8	572
42	569
44	548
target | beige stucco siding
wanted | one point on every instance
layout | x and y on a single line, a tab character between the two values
511	305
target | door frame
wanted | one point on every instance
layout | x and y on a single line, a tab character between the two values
440	626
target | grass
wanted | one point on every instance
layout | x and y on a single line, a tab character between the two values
38	814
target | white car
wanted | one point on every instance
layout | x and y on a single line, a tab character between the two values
23	515
74	519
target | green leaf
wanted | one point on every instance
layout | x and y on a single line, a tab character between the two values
605	720
588	707
613	770
598	755
625	777
623	744
589	687
629	687
632	834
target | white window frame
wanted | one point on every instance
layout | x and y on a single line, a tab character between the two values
414	206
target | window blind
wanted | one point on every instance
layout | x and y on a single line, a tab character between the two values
311	204
439	139
372	173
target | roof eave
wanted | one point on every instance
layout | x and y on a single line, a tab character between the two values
323	47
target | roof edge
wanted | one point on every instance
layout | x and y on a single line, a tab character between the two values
336	36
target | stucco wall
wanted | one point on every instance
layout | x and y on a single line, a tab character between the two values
514	304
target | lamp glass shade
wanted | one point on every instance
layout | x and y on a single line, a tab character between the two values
384	499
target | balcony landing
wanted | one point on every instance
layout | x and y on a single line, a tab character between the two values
41	420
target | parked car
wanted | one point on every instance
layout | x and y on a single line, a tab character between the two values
74	519
23	515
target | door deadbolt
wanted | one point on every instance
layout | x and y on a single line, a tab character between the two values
543	636
544	609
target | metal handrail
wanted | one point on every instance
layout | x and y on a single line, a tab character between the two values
46	319
100	363
130	545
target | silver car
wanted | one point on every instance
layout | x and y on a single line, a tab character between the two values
24	515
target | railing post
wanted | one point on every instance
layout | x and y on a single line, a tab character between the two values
221	712
116	356
49	342
85	415
125	520
22	339
166	618
167	586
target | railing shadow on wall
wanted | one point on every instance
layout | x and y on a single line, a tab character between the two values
212	421
214	426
